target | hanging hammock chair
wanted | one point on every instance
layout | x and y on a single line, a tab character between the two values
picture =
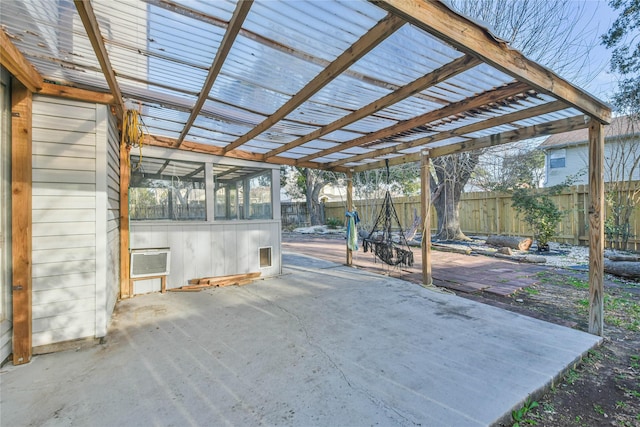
380	240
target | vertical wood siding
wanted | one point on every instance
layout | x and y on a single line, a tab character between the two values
64	220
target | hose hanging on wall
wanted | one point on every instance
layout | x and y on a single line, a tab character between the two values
380	239
133	132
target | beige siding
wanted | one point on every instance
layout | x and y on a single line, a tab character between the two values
75	217
64	219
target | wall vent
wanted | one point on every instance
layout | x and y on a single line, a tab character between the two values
150	262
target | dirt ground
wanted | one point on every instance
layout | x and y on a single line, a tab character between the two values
604	390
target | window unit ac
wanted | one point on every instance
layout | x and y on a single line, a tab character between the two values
150	262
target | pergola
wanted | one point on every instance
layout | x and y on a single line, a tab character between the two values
344	86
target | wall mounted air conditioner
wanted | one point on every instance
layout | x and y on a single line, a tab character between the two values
150	262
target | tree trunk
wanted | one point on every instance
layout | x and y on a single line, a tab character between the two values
449	176
448	208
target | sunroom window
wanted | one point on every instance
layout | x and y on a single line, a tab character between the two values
167	190
242	193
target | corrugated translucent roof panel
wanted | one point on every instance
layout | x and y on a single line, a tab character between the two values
322	30
408	108
556	115
341	136
161	52
369	124
51	36
407	54
231	130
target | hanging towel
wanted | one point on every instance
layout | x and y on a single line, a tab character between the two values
352	230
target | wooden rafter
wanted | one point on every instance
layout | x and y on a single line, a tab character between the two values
235	24
403	126
549	128
90	22
361	47
443	73
69	92
463	130
467	36
13	60
162	141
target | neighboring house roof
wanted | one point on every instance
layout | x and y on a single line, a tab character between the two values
619	127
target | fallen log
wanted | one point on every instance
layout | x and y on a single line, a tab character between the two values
618	257
628	269
445	248
513	242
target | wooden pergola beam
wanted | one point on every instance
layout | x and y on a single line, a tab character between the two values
77	94
475	127
21	222
596	227
235	24
361	47
443	73
449	110
162	141
425	208
17	65
549	128
90	22
465	35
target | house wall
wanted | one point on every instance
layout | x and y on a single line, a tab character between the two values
210	248
5	217
70	256
577	162
112	251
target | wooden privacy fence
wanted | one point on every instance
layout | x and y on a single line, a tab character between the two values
490	213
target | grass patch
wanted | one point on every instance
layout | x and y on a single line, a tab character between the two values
571	377
577	283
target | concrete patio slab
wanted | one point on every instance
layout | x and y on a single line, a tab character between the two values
321	345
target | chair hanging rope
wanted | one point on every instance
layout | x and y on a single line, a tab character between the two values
380	240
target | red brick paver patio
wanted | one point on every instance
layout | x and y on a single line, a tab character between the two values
461	273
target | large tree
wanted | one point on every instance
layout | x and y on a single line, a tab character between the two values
510	166
623	161
546	32
624	38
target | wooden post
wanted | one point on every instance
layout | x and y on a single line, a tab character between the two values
126	285
425	204
21	221
349	208
596	227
